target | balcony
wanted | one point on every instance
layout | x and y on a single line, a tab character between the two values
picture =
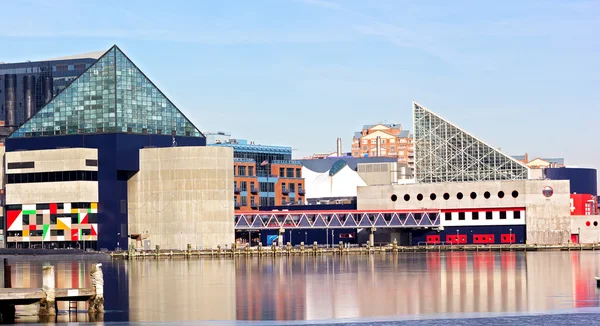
254	190
237	205
284	190
254	205
301	192
237	190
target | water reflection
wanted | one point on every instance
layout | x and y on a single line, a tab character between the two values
331	287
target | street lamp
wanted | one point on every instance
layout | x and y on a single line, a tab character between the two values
510	236
457	236
118	235
331	238
305	237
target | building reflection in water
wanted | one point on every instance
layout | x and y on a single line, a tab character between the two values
330	287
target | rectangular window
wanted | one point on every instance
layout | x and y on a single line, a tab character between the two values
292	187
91	162
488	215
290	172
21	165
244	200
251	171
475	216
25	219
39	219
503	215
283	186
448	216
517	215
52	219
244	186
461	216
298	173
123	206
242	170
86	232
282	172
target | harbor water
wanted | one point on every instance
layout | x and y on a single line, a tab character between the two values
405	288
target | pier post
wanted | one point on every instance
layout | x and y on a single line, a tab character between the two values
233	249
157	251
189	250
341	247
289	248
395	245
372	237
315	248
7	272
218	249
48	305
96	303
259	248
273	248
302	247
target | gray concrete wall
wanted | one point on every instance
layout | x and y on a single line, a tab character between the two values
587	234
547	219
183	195
383	173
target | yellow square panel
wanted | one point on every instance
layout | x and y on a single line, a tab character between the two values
25	233
94	206
74	210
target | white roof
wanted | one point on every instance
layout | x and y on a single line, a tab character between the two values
89	55
322	185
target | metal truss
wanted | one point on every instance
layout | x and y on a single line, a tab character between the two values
446	153
336	219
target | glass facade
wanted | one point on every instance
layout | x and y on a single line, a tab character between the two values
112	95
446	153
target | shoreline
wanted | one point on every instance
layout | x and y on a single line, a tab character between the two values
340	250
13	254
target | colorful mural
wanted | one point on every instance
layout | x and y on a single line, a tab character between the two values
52	222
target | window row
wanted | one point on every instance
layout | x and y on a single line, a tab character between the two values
52	176
49	206
459	196
489	215
28	219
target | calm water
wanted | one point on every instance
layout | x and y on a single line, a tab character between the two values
416	289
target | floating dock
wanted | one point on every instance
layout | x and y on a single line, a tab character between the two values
315	249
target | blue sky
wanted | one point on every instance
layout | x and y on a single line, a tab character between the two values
521	75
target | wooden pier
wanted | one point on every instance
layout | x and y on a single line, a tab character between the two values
315	249
47	296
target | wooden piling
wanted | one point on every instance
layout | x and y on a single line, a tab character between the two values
48	304
96	303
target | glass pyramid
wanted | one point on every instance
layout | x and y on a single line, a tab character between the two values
112	95
446	153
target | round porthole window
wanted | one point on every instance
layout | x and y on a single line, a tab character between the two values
419	197
547	191
406	197
459	195
394	198
446	196
486	195
473	195
432	196
500	194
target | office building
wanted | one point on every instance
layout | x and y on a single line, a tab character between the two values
264	175
25	87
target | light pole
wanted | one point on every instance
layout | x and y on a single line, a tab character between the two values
326	238
331	238
249	238
457	236
118	235
305	237
510	236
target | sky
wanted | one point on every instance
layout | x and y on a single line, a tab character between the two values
522	75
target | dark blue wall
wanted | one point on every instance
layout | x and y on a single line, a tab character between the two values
583	181
418	236
118	160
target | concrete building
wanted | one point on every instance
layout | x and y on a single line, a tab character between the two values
180	196
522	209
385	173
388	140
77	169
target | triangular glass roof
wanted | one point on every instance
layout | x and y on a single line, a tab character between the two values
111	96
446	153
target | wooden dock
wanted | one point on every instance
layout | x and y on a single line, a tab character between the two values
48	295
315	249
